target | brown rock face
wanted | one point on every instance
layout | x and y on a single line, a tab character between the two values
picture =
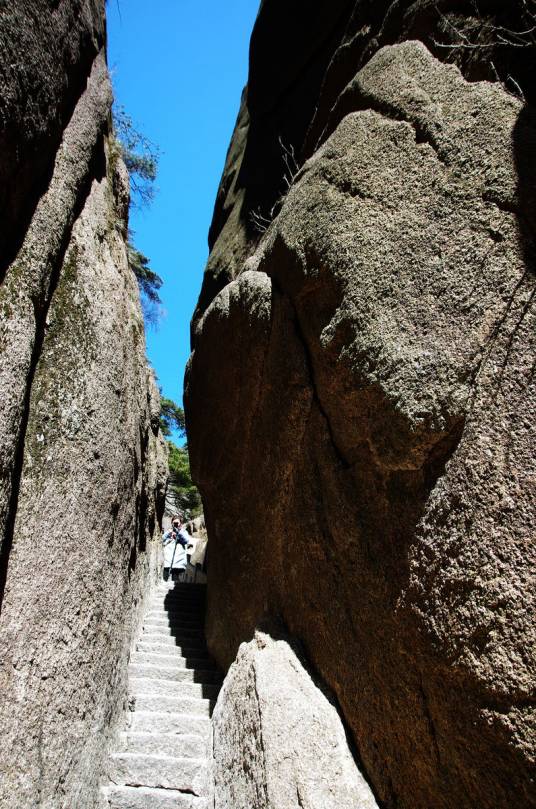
360	402
82	463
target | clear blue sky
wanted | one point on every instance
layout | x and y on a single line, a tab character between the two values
178	68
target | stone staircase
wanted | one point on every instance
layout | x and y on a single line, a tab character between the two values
162	761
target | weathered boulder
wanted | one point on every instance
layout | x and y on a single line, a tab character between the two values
301	60
278	741
360	405
82	469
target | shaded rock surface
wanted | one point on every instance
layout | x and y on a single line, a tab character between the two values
47	53
360	407
82	470
278	741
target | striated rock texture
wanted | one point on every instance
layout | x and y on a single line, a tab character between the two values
277	740
360	405
82	464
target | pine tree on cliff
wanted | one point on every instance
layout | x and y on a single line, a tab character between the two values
140	156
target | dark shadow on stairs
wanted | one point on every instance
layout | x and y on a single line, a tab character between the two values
185	606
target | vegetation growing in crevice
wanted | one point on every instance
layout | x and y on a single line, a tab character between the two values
140	156
500	37
260	220
171	417
182	494
149	283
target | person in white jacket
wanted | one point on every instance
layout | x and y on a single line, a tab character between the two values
175	542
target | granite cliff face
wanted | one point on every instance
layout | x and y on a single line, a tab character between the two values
360	396
82	466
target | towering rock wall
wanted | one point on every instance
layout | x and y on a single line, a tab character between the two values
360	396
82	466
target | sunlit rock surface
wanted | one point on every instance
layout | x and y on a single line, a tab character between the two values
82	465
278	741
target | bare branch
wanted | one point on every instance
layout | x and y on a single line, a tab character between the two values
462	45
502	35
518	88
259	222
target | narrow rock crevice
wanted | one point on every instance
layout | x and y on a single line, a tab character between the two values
261	741
311	371
431	723
164	748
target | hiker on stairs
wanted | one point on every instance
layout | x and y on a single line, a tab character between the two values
175	542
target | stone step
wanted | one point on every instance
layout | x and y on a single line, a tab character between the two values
164	744
193	619
173	646
174	598
173	650
171	636
170	688
175	629
171	602
143	798
164	772
180	601
164	619
170	640
196	706
192	659
181	595
181	607
162	633
182	586
159	616
192	595
166	722
149	636
192	611
167	631
175	674
169	599
190	617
